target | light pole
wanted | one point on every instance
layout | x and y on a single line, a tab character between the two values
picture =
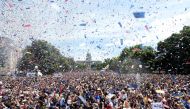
60	68
138	75
36	73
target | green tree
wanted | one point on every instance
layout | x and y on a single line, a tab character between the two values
42	54
96	66
145	54
174	51
80	66
134	55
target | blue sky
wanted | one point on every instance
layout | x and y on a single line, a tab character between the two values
58	22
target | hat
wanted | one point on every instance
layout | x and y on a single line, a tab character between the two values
188	101
21	95
24	100
69	101
122	90
99	89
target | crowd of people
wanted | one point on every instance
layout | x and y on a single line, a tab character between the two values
94	90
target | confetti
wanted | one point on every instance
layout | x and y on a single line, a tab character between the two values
139	14
26	25
146	27
83	24
98	47
120	24
121	41
28	8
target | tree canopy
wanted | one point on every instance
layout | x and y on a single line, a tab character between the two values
42	54
132	56
174	51
171	55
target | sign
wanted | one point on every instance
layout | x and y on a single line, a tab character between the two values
157	105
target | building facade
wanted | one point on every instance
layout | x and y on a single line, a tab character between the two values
88	62
9	55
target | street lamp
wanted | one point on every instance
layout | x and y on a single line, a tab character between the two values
60	68
36	72
140	66
36	67
138	75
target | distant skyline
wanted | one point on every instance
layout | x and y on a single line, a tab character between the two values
76	26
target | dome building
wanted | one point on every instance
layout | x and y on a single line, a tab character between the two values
88	60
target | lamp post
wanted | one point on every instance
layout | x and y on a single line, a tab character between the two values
60	68
120	67
138	75
36	73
